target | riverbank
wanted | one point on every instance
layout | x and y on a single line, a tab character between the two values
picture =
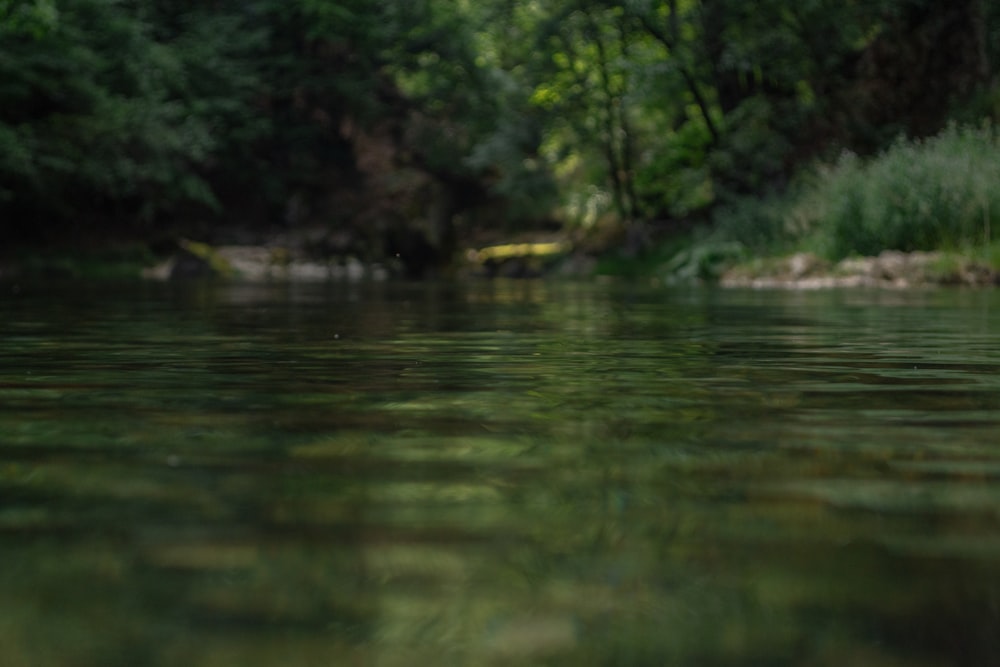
262	263
890	269
288	260
525	259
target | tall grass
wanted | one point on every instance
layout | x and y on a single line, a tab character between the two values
939	193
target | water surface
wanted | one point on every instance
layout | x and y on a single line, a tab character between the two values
498	474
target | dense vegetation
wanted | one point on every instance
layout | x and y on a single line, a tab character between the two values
405	125
935	194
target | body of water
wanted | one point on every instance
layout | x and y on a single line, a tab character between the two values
508	473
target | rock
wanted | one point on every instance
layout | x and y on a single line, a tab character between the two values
804	264
187	266
160	271
307	271
354	269
857	266
892	265
576	265
529	638
891	268
249	262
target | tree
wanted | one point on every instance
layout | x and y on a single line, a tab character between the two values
405	124
106	114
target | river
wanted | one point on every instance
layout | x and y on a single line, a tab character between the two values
498	473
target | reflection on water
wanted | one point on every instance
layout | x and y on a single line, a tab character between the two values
498	474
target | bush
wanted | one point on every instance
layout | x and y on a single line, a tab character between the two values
940	193
762	225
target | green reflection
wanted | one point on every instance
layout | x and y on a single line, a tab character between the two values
498	473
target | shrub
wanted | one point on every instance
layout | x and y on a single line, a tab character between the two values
762	225
917	195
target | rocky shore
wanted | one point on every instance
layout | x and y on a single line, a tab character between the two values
259	263
890	269
271	262
534	259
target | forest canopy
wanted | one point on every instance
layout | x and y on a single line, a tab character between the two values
388	122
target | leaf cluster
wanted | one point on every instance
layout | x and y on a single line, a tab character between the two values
440	113
107	105
917	195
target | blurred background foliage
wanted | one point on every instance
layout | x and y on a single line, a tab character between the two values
411	126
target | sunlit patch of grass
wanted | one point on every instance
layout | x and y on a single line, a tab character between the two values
989	254
947	264
969	265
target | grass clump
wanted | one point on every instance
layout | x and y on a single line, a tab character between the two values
939	193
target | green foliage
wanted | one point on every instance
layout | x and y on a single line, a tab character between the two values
118	262
933	194
27	17
105	107
918	195
134	113
676	179
762	225
750	158
697	256
704	260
